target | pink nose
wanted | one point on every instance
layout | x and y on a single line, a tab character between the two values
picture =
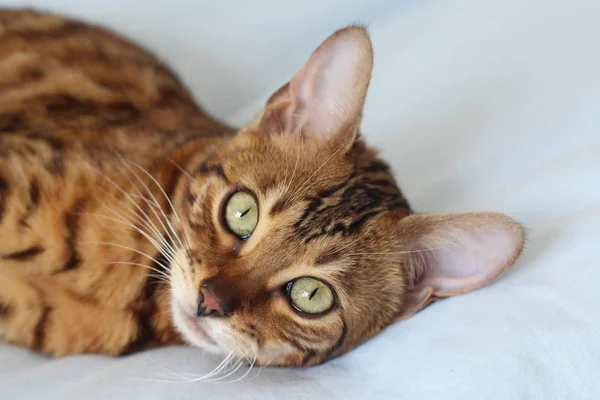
208	304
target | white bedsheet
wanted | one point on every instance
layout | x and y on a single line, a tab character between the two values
479	105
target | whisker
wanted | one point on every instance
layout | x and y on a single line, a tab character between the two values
137	218
164	218
168	369
161	189
162	273
131	249
153	202
128	196
246	373
180	168
307	184
235	369
215	371
158	240
295	167
152	240
241	348
186	247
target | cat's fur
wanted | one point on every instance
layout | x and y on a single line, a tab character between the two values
97	138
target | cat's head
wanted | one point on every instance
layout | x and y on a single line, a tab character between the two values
301	246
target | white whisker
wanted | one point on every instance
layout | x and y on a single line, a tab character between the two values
129	197
161	273
307	184
166	197
159	246
237	366
133	250
246	373
181	169
169	229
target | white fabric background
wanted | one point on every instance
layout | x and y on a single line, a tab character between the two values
478	105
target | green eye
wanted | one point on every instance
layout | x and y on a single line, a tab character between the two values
310	295
241	214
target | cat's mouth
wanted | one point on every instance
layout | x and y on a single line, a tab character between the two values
194	329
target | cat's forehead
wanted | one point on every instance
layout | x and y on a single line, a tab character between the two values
267	162
316	192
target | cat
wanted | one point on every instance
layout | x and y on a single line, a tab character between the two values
130	218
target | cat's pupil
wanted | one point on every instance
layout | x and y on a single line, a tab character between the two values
244	213
313	293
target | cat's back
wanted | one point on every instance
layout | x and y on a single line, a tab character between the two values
64	82
80	105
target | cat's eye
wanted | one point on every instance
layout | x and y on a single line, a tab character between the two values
310	295
241	214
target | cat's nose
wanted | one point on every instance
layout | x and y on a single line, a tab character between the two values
208	304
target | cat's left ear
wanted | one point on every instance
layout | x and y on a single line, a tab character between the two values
323	102
452	254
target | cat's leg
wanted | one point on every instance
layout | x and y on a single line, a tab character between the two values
39	314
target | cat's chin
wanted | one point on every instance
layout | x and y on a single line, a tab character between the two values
193	329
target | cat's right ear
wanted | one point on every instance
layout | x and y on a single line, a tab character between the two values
323	102
452	254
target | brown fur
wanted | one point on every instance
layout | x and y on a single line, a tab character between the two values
93	129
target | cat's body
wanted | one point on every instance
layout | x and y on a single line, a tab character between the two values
105	160
75	103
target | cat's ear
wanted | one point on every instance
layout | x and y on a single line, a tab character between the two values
455	253
324	100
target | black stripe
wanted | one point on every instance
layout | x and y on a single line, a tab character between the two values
54	143
378	166
191	198
160	263
145	333
73	262
10	122
61	31
204	168
307	353
382	183
308	356
344	208
39	332
34	201
71	221
295	344
338	345
4	190
56	166
327	257
24	255
278	207
317	201
144	309
5	310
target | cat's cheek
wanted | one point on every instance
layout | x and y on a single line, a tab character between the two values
179	295
183	289
279	354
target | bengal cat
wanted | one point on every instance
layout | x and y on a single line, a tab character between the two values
129	218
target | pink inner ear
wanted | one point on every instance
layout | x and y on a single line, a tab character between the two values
326	89
326	96
470	260
457	253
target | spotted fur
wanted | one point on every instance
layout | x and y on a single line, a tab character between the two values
112	183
